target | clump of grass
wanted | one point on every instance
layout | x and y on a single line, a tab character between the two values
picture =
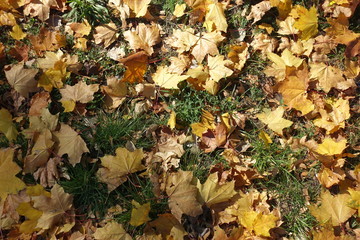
90	195
199	162
95	11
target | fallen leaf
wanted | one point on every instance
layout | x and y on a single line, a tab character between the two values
218	68
259	223
329	147
47	40
143	37
17	33
258	10
21	78
106	34
172	120
54	208
111	231
179	10
182	194
274	119
212	192
9	183
80	92
81	29
139	7
70	143
6	125
139	213
215	14
328	76
167	80
136	66
333	209
307	23
40	152
355	199
32	215
116	168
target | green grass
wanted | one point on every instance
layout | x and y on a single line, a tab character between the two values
284	184
94	11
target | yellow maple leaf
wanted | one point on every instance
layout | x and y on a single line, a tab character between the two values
215	14
17	33
218	68
294	93
172	120
212	192
265	137
139	213
21	78
139	7
328	76
307	23
143	37
328	177
258	223
355	199
54	207
333	209
329	147
179	10
106	34
182	194
207	122
167	80
81	29
54	77
112	231
80	92
274	119
32	215
116	168
136	65
6	125
9	183
238	54
70	143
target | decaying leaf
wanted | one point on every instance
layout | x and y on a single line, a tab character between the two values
112	231
106	34
144	37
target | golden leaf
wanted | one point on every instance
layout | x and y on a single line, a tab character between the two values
17	33
329	147
139	213
307	23
112	231
106	34
258	223
144	37
274	119
6	125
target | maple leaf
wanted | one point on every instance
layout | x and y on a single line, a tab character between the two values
54	208
111	231
117	167
81	29
334	118
238	54
355	199
167	80
48	174
139	7
182	194
20	78
215	15
294	92
17	33
106	34
207	122
258	10
9	183
32	215
258	222
39	8
328	177
333	209
70	143
274	119
281	65
328	76
217	67
329	147
6	125
139	213
47	40
212	192
40	152
179	10
307	23
136	65
287	27
206	44
38	102
143	37
80	92
54	77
